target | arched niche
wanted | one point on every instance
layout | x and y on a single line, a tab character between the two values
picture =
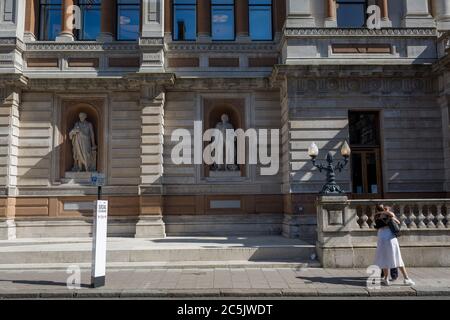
71	111
213	111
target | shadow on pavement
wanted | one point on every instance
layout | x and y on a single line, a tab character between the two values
43	283
349	281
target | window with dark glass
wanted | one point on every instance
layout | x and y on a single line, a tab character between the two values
351	13
184	19
128	19
222	19
260	19
90	19
50	16
364	132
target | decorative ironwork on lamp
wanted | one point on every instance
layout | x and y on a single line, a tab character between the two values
330	186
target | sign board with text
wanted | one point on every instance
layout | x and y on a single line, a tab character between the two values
97	179
99	235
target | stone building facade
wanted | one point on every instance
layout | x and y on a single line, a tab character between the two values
309	80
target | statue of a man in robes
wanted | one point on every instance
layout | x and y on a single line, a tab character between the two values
83	145
223	126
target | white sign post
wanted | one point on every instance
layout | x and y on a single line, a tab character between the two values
99	235
98	270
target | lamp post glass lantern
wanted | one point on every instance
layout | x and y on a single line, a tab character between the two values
330	186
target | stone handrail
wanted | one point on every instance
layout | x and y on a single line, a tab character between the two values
412	213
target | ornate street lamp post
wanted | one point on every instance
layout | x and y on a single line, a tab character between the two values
330	186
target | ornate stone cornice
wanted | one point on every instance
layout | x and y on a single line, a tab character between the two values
93	46
345	71
157	79
12	43
222	47
13	80
343	79
81	46
84	84
363	32
151	41
130	82
235	84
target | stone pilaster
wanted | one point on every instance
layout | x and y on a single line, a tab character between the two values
299	14
417	14
150	222
9	146
12	19
67	20
108	21
441	12
153	18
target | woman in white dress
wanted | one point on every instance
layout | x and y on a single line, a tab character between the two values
388	255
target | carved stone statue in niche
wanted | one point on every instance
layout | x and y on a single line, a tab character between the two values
223	126
84	148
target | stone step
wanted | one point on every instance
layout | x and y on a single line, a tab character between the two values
271	249
167	265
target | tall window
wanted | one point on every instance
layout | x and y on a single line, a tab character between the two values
90	19
260	19
365	159
184	19
222	19
50	16
128	19
351	13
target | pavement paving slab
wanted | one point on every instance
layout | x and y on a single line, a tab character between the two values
218	282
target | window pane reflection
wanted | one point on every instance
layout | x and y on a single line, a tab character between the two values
128	16
222	16
185	20
50	19
260	19
90	17
363	128
351	13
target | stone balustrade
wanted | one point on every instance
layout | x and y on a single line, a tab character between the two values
346	234
412	213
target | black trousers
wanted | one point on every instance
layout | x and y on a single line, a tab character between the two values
393	272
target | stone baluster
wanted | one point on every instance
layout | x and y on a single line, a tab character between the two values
430	218
412	218
439	217
372	217
364	218
402	217
421	217
447	216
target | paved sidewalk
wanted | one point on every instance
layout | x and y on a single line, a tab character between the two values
220	282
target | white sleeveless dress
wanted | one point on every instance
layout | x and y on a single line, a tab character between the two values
388	253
